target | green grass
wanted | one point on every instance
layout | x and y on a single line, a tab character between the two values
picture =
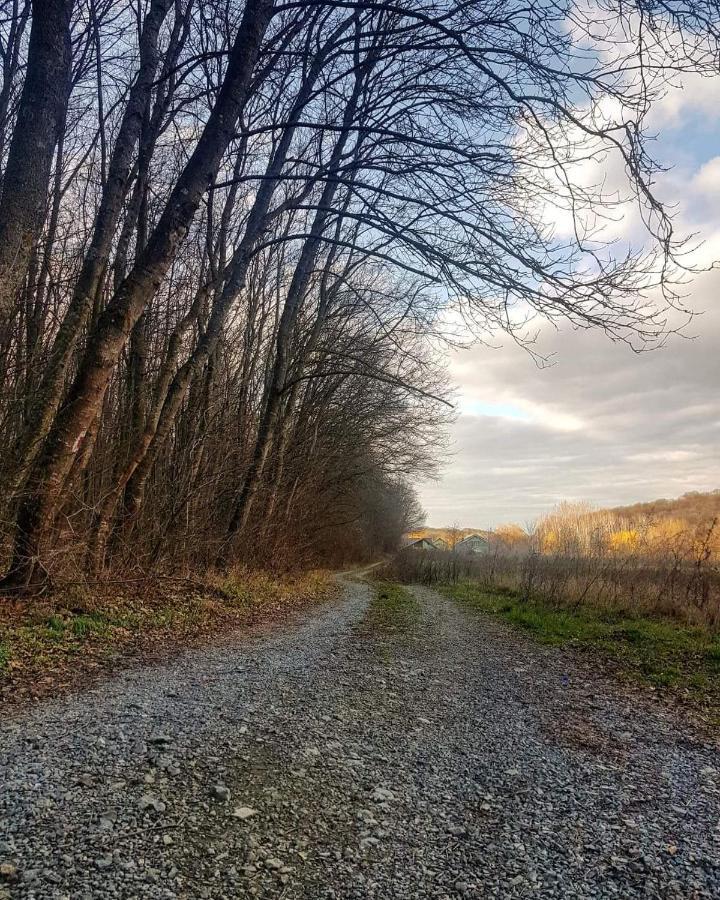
61	627
660	652
393	609
90	623
4	657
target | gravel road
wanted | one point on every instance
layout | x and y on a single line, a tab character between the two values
447	758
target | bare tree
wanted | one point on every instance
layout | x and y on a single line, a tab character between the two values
253	229
65	438
116	181
40	120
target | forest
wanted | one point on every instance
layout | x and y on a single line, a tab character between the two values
236	237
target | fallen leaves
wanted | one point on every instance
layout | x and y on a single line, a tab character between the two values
57	643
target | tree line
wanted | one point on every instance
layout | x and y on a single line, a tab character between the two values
638	560
233	237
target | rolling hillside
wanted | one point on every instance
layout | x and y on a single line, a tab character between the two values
694	507
450	535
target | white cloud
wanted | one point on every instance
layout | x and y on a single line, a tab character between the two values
518	409
707	179
601	424
691	94
662	456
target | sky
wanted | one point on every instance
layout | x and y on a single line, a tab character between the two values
601	423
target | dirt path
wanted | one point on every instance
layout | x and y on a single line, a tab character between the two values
442	757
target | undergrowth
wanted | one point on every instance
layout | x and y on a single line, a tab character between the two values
47	644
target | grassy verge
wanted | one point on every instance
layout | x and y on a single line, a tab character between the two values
392	610
682	660
51	644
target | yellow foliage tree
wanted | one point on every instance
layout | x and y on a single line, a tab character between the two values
625	540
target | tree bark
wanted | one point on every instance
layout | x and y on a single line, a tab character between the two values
110	335
49	394
10	66
160	425
27	174
104	515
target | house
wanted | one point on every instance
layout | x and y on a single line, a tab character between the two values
473	543
439	543
419	544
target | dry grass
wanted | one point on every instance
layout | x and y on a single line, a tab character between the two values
52	644
671	586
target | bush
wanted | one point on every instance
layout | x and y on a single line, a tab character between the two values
684	587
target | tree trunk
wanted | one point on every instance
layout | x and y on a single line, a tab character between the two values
47	481
236	275
49	394
104	516
327	294
27	174
10	67
291	309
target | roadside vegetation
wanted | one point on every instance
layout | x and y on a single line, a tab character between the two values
55	643
663	653
660	567
639	591
393	609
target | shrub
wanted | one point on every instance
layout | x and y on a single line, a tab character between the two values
678	585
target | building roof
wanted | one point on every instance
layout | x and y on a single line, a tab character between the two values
422	540
473	537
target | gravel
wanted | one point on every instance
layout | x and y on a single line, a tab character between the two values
331	760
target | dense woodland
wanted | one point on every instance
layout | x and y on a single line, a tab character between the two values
696	508
234	237
685	527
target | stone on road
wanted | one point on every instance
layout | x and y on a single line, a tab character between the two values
449	758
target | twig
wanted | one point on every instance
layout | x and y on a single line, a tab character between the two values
160	827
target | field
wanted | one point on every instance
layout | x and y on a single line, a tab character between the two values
641	592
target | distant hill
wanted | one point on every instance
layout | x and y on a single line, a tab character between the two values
695	508
450	535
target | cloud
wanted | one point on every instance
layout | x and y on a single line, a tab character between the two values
707	179
692	95
663	456
602	423
475	406
518	409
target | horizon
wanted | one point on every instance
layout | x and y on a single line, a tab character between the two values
579	500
